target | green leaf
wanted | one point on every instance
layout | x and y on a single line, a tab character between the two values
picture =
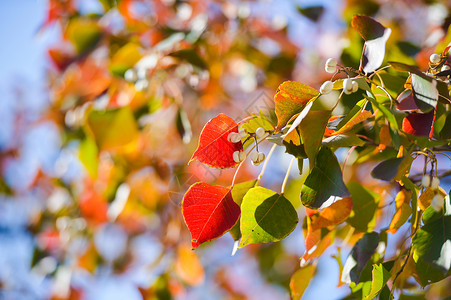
112	128
300	280
290	99
359	257
238	192
312	12
125	58
342	140
363	216
84	34
312	131
253	124
324	185
88	156
266	217
355	111
380	277
387	169
191	56
432	246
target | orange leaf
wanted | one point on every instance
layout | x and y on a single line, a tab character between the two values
188	266
332	215
290	99
354	121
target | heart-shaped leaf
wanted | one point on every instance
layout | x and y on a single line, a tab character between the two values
209	211
290	99
419	124
375	36
214	148
267	217
324	185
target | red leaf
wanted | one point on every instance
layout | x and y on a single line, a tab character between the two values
214	149
209	211
419	124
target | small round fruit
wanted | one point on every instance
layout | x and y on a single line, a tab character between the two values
260	132
326	87
426	181
435	58
437	202
435	182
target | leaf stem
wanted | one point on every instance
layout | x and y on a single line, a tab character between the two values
265	163
282	190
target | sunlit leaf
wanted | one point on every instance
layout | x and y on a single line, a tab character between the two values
425	92
113	128
209	211
214	148
403	211
300	280
359	256
291	97
266	217
335	214
238	192
380	276
324	185
188	266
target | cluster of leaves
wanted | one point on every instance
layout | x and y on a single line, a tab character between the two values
399	113
125	82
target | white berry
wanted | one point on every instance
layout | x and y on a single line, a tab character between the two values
242	132
239	156
330	70
233	137
326	87
347	86
355	86
260	132
254	156
435	58
437	202
426	181
435	182
331	62
257	158
130	75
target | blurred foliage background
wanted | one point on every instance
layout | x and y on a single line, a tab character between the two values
93	175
